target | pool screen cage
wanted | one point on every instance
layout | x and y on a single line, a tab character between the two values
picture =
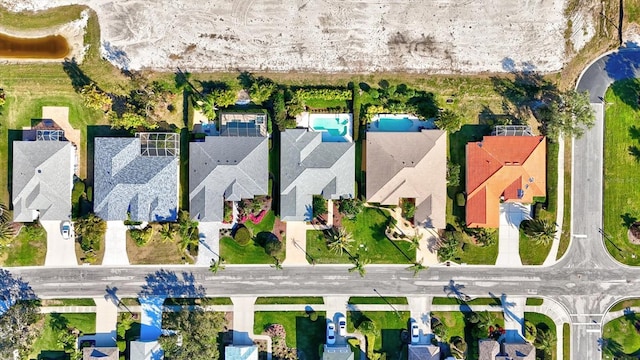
511	130
49	135
159	144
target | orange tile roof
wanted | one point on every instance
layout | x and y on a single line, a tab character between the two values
512	167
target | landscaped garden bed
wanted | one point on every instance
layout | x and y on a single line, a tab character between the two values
303	332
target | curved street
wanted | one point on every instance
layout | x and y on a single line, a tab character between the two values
585	282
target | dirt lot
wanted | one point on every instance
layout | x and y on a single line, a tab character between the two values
432	36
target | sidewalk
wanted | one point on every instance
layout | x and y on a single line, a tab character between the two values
553	253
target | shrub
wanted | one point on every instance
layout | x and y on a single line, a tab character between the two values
530	331
323	93
460	200
273	247
453	174
242	236
90	231
350	207
319	205
141	237
408	209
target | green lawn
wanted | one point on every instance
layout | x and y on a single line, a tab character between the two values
621	337
369	241
28	248
625	304
48	339
253	253
621	169
456	325
478	255
199	301
68	302
303	334
565	237
566	341
532	253
289	300
265	225
389	326
543	322
534	301
377	300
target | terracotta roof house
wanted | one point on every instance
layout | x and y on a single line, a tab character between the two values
309	166
226	168
488	349
503	168
136	178
409	165
100	353
42	177
424	352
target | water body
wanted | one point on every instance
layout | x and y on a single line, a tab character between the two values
48	47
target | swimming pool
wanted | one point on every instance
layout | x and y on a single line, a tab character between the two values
393	124
336	126
399	123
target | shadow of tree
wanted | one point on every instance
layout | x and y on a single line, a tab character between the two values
634	151
58	322
629	92
628	219
77	76
12	290
634	132
169	284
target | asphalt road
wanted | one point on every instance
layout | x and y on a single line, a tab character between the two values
586	281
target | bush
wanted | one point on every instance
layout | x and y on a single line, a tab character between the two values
242	236
530	331
460	199
90	231
273	247
350	207
323	93
408	209
141	237
313	315
319	205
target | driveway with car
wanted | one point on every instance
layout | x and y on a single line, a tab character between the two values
60	251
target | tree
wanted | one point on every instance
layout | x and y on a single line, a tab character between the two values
540	230
417	267
368	327
530	331
448	248
277	264
90	231
261	91
6	234
130	120
319	206
188	230
66	340
350	207
359	265
448	120
340	240
545	341
95	98
273	246
216	265
415	241
242	236
199	331
570	114
2	98
141	236
18	324
408	209
167	232
207	106
453	174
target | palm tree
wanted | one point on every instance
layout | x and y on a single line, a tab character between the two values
545	341
417	267
340	240
6	233
166	232
216	265
540	230
276	263
415	241
4	213
359	264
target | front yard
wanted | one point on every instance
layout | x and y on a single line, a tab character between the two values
54	324
621	337
388	327
302	332
158	250
29	248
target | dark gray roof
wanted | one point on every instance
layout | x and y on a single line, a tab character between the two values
424	352
337	353
125	181
231	168
310	167
42	180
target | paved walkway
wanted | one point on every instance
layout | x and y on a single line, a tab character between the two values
115	249
296	243
60	252
209	239
553	253
106	322
427	253
511	215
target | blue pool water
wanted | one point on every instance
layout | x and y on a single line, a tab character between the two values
395	124
333	125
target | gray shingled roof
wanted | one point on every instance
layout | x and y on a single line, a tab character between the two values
125	181
233	352
520	351
424	352
310	167
100	353
42	180
488	349
231	168
145	350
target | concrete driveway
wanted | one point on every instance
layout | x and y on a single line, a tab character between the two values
115	249
60	252
511	215
209	237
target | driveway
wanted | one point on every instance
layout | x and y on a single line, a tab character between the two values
209	237
296	243
511	215
60	252
115	249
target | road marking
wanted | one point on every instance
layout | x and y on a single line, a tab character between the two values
593	331
581	236
586	314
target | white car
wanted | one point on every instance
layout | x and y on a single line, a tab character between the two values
66	230
342	326
331	333
415	333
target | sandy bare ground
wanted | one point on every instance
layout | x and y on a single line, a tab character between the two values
72	31
430	36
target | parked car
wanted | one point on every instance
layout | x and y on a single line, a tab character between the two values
415	333
66	230
342	326
331	333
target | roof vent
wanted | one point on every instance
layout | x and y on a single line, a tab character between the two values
531	179
39	171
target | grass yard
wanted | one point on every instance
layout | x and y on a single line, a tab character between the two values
455	301
531	252
534	301
29	248
68	302
622	169
543	322
303	334
156	251
369	241
456	325
625	304
48	339
478	255
361	300
565	237
389	325
265	225
621	337
566	341
289	300
253	253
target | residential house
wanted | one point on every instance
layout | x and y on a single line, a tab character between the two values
488	349
42	176
136	178
228	168
309	166
238	352
424	352
503	168
337	353
409	165
492	350
100	353
145	350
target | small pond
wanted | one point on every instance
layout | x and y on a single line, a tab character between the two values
48	47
